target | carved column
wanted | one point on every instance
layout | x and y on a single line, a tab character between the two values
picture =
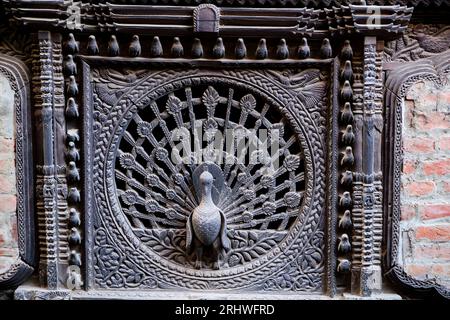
366	273
378	173
50	185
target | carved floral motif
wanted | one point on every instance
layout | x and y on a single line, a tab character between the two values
421	41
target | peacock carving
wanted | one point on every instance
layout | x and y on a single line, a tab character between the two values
201	196
207	225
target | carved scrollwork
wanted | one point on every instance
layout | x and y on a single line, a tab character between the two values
302	274
245	246
421	41
15	43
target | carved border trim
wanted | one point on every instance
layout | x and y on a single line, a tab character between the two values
87	102
18	75
398	81
332	181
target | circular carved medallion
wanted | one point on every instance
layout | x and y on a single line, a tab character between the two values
263	179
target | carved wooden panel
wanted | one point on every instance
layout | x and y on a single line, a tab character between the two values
143	198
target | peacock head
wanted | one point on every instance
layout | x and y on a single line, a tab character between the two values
206	181
419	36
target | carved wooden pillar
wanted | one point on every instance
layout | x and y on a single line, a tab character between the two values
366	273
51	189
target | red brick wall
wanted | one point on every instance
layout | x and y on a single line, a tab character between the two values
425	219
8	219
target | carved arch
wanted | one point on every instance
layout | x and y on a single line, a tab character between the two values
398	81
18	75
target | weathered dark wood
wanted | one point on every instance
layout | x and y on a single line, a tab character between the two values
115	211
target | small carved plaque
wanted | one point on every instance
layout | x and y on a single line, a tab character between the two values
206	18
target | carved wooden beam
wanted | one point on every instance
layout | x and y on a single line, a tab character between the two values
258	3
207	18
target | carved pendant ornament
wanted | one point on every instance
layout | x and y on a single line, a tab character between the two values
211	214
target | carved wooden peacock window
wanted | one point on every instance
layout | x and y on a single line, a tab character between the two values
214	147
145	186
